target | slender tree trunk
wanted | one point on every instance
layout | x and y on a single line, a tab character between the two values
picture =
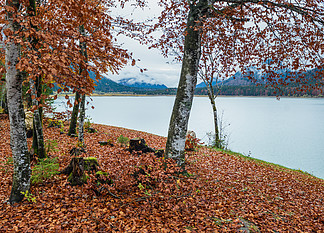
212	96
217	138
188	79
36	90
74	116
38	137
4	103
83	46
18	139
81	119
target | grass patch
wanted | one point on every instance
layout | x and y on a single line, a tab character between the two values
264	163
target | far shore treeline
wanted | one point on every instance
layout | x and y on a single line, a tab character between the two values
250	90
238	86
232	90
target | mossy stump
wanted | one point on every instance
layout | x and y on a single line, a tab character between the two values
139	145
105	143
159	153
77	167
91	130
76	151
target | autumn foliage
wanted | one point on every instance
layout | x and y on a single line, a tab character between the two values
50	41
221	193
279	38
214	191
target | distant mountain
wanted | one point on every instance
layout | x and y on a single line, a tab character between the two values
202	84
126	85
238	80
237	85
107	85
133	82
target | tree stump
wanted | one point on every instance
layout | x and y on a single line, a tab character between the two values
139	145
159	153
76	151
77	167
105	143
91	130
91	164
75	170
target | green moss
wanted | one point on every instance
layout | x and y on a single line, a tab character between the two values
90	163
92	159
77	181
55	123
101	173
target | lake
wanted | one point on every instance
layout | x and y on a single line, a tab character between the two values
289	131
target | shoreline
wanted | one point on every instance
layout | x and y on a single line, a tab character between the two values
223	96
225	191
233	153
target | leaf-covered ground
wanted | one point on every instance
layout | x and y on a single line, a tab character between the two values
223	193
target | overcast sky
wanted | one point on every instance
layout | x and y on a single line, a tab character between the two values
159	69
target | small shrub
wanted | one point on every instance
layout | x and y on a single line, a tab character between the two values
9	161
29	196
51	146
87	123
45	169
55	123
110	142
192	143
123	140
6	164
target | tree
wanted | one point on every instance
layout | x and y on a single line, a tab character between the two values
56	56
74	115
83	51
14	79
210	73
270	35
36	93
81	119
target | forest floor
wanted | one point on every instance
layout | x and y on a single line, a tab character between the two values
222	193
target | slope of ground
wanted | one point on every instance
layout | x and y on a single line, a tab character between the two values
223	193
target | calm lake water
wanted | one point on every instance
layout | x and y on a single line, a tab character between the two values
289	131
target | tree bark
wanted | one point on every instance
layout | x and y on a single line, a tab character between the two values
212	96
188	79
38	137
36	90
217	138
83	47
81	119
18	139
74	116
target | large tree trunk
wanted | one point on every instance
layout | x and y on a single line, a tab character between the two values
81	119
188	79
74	116
18	139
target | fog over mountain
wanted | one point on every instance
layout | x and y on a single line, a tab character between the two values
149	83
